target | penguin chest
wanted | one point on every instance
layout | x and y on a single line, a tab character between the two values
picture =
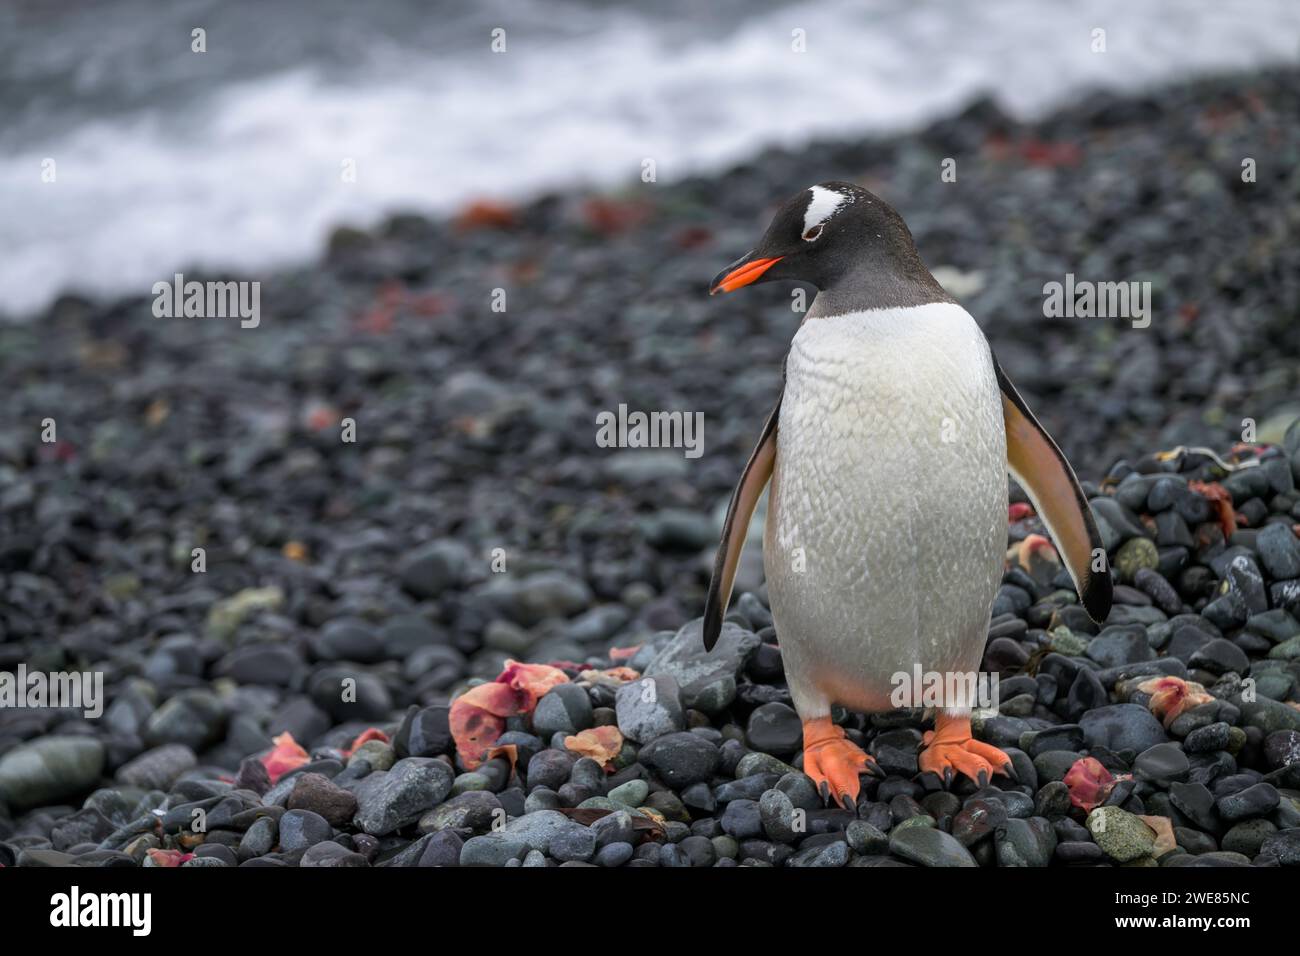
887	517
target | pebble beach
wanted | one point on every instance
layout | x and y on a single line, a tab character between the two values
394	492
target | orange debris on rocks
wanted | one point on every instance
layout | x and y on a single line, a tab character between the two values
381	316
294	551
1221	499
285	755
370	733
1037	556
1089	782
623	674
1019	511
1164	831
486	214
157	412
478	716
320	416
692	237
1033	151
601	744
610	677
509	751
609	216
169	857
1170	696
1246	449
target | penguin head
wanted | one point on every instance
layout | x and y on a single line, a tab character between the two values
820	236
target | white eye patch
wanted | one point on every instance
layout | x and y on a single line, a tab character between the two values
823	204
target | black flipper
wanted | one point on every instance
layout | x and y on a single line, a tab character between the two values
758	471
1036	462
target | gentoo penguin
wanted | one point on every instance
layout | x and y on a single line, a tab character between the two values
888	452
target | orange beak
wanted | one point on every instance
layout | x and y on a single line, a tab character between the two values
742	274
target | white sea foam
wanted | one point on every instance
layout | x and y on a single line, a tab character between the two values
248	176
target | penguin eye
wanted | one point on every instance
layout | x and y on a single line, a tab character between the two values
813	233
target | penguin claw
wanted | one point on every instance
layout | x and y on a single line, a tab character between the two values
950	750
834	763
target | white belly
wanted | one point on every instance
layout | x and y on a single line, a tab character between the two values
887	519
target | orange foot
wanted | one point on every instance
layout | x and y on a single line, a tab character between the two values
834	762
950	747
